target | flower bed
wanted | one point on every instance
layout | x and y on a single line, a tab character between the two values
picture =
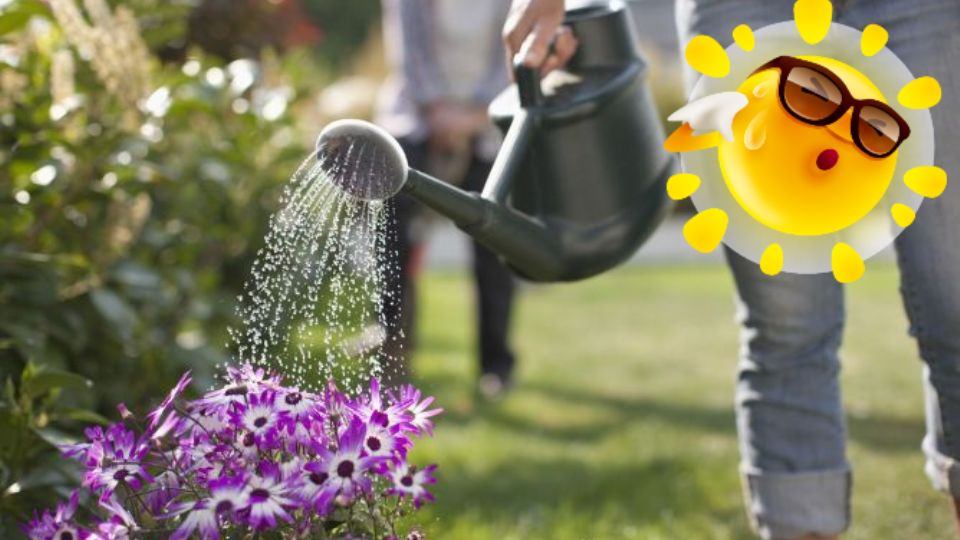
252	456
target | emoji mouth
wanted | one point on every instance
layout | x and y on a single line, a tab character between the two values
827	159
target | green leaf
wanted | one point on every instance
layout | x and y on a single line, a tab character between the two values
38	381
132	274
41	477
82	415
53	437
10	393
115	312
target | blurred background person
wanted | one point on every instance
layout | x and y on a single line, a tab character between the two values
446	63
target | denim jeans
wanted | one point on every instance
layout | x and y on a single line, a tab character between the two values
789	414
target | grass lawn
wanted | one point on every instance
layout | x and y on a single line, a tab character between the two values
621	425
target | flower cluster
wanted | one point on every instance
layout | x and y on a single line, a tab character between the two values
254	455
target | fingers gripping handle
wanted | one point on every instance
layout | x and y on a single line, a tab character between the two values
528	85
516	143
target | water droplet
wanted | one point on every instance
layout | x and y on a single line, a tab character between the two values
763	88
755	135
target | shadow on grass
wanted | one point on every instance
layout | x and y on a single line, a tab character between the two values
876	432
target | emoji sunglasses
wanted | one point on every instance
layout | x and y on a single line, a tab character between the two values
815	95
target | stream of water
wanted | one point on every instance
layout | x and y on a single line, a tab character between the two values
314	304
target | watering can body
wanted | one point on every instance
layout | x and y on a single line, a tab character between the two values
580	181
592	169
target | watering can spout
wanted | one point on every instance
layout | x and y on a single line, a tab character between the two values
522	241
580	181
526	244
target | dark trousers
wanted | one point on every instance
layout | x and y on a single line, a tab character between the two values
494	283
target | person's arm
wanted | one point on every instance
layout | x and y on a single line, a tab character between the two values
531	27
496	77
408	30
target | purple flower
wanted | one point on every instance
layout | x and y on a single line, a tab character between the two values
255	424
207	422
248	374
420	415
110	530
382	441
301	411
78	451
366	406
113	457
311	487
125	413
156	416
334	403
119	525
243	380
222	398
58	525
259	416
298	404
267	501
410	482
166	487
227	496
251	456
345	467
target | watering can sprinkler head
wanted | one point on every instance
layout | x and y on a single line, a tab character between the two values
362	159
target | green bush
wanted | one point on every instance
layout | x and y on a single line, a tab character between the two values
133	196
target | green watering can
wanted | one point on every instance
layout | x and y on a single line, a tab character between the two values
580	181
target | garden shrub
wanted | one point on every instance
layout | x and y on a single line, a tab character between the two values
133	195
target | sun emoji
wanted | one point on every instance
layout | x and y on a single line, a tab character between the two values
807	146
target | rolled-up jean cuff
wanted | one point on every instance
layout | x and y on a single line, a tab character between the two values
782	506
942	470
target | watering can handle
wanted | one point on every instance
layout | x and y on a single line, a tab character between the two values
517	140
528	85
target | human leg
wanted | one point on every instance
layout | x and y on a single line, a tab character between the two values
495	292
925	35
789	413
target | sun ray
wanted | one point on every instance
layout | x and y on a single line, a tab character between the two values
813	18
920	93
927	181
705	231
902	214
846	262
705	55
682	185
873	40
771	262
743	37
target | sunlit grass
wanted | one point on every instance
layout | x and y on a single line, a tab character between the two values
621	425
